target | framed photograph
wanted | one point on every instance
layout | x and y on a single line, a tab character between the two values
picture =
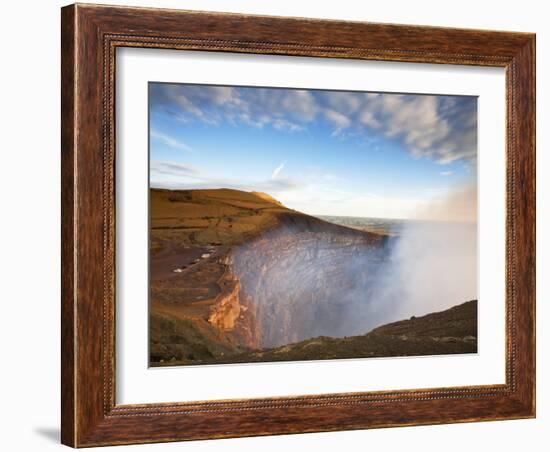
282	225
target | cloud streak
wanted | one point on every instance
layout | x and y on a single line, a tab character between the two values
182	176
170	141
172	169
277	170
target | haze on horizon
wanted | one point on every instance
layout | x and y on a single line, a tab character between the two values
320	152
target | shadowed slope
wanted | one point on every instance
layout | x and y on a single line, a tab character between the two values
452	331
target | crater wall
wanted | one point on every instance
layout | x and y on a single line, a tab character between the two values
303	280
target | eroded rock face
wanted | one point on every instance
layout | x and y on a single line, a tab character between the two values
227	307
301	282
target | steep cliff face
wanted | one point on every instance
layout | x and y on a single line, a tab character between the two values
244	272
226	308
231	314
307	278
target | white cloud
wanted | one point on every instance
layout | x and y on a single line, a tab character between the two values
283	124
344	102
367	118
446	173
170	141
300	104
416	120
221	94
339	120
441	128
172	169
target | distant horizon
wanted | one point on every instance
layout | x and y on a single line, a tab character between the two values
322	215
320	152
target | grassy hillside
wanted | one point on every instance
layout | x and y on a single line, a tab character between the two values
210	217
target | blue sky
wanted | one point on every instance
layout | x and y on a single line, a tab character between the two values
320	152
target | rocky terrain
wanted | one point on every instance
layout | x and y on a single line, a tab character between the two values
448	332
453	331
237	277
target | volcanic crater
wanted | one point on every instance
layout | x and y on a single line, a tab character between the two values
236	277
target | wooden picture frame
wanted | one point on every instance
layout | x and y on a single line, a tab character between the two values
90	36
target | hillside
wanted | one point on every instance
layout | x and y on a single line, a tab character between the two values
210	217
205	244
222	217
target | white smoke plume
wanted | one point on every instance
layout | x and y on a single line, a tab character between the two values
310	279
433	264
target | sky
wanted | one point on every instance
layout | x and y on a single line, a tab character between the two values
317	151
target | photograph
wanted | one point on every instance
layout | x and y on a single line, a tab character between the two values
303	224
